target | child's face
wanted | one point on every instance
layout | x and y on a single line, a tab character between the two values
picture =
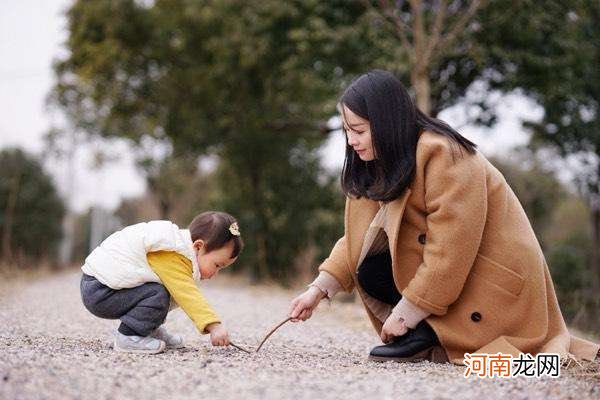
212	262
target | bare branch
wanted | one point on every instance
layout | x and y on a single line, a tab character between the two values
400	28
436	31
420	36
460	25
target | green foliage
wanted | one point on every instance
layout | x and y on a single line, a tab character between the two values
283	211
451	68
31	212
537	189
247	81
567	266
250	82
569	242
554	59
82	236
169	179
569	223
549	50
561	222
194	72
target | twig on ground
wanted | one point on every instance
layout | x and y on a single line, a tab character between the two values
265	338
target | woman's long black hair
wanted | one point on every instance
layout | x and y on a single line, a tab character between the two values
379	97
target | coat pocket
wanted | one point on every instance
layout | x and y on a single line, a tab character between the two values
498	275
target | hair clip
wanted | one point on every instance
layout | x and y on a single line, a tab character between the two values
234	229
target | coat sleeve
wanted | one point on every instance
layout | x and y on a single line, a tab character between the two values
456	204
337	265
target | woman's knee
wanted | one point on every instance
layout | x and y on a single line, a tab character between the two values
376	278
366	274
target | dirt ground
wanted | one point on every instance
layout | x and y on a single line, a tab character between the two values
52	348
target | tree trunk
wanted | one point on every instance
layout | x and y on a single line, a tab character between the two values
595	262
420	81
261	270
164	206
596	248
9	213
595	215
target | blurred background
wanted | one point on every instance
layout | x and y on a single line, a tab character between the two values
120	111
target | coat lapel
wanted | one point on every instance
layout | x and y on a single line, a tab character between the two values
360	213
393	220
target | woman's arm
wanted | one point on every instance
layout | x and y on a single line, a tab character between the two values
456	201
334	274
327	284
336	265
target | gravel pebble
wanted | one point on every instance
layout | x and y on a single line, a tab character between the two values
52	348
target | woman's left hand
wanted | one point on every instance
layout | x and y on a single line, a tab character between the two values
393	327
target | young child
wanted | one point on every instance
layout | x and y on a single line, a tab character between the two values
136	272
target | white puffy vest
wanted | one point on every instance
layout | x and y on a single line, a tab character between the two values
120	261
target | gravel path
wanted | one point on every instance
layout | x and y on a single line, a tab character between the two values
52	348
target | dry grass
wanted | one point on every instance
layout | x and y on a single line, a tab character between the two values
583	369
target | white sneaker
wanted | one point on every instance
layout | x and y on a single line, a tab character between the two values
138	344
173	341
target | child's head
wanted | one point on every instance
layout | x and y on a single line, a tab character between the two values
217	241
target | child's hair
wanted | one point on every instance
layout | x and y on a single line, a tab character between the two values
213	227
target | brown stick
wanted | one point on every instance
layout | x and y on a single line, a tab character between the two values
271	332
264	340
239	347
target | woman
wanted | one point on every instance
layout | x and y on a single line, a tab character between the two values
436	243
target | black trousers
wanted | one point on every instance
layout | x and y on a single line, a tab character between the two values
376	278
141	309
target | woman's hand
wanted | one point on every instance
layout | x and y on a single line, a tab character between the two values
218	334
301	308
393	327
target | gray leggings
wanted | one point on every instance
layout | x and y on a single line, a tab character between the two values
141	309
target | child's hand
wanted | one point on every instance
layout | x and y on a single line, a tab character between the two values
393	327
301	308
218	334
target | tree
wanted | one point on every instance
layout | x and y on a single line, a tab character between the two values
555	62
30	210
560	220
169	179
568	239
252	81
247	81
548	50
434	49
536	187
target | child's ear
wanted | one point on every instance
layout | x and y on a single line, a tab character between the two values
199	244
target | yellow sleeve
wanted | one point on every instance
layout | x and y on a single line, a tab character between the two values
175	272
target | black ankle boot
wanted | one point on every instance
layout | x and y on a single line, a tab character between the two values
418	344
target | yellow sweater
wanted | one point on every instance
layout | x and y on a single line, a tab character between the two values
175	272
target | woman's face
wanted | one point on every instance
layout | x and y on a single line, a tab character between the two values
358	134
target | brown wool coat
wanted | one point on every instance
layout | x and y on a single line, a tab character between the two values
463	249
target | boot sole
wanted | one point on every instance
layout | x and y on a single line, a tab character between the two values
140	351
434	354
